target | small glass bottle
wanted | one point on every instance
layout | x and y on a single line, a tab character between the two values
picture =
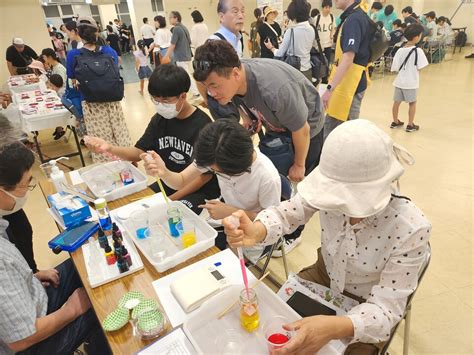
122	264
116	231
104	215
126	256
117	248
175	221
249	317
109	255
102	238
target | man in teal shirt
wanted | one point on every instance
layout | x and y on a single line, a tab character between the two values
387	16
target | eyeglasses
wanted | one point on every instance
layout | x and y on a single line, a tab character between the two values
31	186
228	176
203	65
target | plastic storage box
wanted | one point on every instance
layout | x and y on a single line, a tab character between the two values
162	250
104	180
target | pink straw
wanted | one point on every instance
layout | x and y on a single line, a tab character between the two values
244	271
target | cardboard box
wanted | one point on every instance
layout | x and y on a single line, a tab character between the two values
71	210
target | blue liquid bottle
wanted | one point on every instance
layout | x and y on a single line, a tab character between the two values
104	216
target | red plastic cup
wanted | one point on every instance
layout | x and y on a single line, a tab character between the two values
275	335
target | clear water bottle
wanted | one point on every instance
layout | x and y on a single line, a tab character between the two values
104	216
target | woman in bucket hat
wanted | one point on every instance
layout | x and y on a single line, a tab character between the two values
373	241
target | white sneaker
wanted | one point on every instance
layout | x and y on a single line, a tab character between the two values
289	245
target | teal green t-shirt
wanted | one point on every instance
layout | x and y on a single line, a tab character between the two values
387	20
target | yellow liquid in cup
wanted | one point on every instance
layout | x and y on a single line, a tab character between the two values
188	238
249	317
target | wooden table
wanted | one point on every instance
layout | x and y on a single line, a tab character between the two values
105	298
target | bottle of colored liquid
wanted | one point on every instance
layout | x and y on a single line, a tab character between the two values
175	221
249	316
188	238
102	238
126	256
117	248
116	231
104	215
109	255
122	264
126	174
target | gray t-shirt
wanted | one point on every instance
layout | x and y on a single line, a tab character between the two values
22	297
182	40
281	96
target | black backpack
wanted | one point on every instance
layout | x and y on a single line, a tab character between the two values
378	42
98	75
461	39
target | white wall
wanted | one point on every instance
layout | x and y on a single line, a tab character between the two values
107	13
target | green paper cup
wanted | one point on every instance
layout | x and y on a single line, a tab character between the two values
131	299
116	320
143	306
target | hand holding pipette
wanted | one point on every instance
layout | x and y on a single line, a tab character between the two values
154	163
241	231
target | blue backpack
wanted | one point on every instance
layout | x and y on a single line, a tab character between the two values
98	76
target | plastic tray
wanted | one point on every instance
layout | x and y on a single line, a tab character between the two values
175	255
111	272
228	336
113	169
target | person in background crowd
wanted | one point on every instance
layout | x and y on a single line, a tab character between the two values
114	42
348	79
254	44
47	311
409	17
396	36
39	69
247	178
171	133
374	242
148	33
124	38
102	119
180	48
313	14
374	10
285	21
116	26
162	40
387	16
141	65
326	28
65	38
431	27
75	41
444	30
408	61
58	47
199	31
19	56
299	39
270	31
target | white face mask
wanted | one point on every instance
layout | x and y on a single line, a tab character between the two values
168	111
19	203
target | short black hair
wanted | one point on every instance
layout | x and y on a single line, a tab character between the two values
326	3
298	10
15	161
388	10
56	80
257	13
408	9
168	80
197	16
431	14
226	144
110	28
110	22
88	34
214	56
161	21
71	26
177	15
377	6
145	19
49	52
413	30
314	12
397	23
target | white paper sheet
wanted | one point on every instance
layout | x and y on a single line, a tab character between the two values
175	343
75	177
230	268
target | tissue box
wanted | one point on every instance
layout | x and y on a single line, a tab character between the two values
72	210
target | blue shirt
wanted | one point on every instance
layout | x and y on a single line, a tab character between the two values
235	41
355	38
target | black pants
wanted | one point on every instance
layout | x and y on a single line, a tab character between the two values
148	43
86	328
328	53
20	233
314	152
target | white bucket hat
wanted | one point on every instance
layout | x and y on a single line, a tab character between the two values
359	162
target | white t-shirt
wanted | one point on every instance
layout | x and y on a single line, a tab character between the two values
147	31
325	28
254	191
199	34
142	59
408	77
162	38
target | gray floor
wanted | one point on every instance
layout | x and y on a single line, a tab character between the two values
128	72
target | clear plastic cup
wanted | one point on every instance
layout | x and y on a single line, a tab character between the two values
275	335
139	220
188	237
150	323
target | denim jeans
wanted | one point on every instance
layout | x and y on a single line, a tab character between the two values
86	328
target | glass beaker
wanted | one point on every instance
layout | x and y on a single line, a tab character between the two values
249	316
140	223
175	221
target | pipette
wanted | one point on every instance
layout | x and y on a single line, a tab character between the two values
234	221
160	185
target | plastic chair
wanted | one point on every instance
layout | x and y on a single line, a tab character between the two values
407	315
